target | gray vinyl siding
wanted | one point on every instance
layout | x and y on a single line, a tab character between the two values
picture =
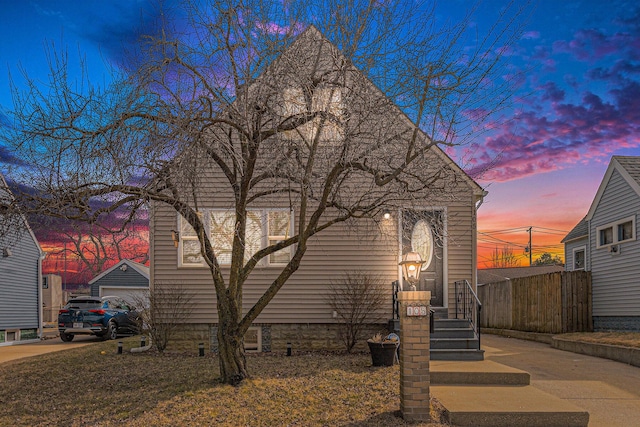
117	277
19	281
616	278
461	230
301	300
363	245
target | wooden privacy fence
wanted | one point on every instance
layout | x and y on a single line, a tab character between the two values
547	303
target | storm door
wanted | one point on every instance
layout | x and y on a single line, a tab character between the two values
422	232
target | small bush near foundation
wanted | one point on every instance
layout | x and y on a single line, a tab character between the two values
357	298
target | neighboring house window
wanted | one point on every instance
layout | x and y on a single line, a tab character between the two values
275	225
579	258
625	231
606	236
617	232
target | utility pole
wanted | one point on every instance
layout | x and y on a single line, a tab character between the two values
530	249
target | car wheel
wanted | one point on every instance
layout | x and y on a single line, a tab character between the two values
66	337
112	331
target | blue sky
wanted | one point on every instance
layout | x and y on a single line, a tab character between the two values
576	106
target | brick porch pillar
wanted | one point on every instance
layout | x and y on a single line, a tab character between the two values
414	355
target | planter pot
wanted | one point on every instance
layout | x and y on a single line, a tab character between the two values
382	353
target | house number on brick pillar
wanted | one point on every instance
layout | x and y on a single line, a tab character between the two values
414	355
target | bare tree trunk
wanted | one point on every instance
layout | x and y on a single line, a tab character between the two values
232	360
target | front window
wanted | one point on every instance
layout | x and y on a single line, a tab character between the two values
262	228
325	98
222	231
279	227
190	245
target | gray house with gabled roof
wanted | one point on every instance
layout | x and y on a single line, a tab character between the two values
606	243
127	279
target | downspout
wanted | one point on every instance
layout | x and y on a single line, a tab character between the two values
474	246
40	299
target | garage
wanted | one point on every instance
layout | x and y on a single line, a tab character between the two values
127	279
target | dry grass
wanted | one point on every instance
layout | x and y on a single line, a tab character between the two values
94	386
626	339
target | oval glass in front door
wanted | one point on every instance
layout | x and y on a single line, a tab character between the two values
422	242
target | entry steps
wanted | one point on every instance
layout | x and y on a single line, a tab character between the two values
486	393
454	339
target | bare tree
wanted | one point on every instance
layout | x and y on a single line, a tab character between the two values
504	258
251	103
163	311
357	299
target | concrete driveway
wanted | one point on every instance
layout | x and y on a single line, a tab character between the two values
20	351
609	390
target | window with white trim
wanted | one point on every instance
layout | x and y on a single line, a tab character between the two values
278	229
325	98
189	247
579	258
263	228
620	231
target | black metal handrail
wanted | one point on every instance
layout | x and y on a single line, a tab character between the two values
396	305
468	305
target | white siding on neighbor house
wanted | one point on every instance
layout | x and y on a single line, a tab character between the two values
616	277
19	282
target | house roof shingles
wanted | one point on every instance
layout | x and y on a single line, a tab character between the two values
580	230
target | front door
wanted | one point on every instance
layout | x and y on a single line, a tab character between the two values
423	232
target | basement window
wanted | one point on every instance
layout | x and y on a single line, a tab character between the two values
253	340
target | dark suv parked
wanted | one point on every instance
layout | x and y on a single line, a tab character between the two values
105	317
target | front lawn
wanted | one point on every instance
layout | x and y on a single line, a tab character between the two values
94	385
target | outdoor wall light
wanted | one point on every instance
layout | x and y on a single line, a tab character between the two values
387	215
176	237
411	265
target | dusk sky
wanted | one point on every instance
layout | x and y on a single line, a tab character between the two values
576	106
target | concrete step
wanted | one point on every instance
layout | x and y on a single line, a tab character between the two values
452	343
450	323
499	406
440	312
456	354
485	372
453	333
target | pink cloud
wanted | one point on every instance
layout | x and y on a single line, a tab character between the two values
536	142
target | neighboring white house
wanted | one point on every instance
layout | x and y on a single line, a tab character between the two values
127	279
20	277
605	242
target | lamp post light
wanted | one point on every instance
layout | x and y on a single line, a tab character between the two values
411	265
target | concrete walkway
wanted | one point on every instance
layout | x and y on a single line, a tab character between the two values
20	351
608	390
